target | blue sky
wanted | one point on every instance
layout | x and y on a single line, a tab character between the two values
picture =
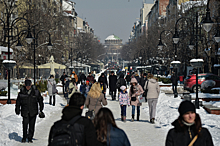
108	17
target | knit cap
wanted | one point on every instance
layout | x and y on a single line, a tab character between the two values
122	88
185	107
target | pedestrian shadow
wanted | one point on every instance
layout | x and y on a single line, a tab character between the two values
14	136
62	105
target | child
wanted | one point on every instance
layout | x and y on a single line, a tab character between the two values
87	87
83	88
123	101
103	87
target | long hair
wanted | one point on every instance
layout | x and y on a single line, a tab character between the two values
197	127
132	88
102	120
95	90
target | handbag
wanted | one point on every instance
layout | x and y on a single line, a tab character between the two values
141	98
133	98
91	113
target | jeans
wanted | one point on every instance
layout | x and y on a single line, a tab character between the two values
113	94
128	83
173	87
133	110
123	110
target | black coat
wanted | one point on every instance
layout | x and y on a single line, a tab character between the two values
82	77
112	82
62	78
143	81
28	103
179	136
84	126
173	80
128	78
104	80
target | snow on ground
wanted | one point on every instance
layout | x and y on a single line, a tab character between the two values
139	132
11	124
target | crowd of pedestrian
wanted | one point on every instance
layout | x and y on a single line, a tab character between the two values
75	129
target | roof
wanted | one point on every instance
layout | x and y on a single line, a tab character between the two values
5	49
113	37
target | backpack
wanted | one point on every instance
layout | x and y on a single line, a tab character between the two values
65	135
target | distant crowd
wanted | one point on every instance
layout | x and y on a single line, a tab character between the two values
98	126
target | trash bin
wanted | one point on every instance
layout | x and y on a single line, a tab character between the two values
187	96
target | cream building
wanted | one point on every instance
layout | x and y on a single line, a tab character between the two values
113	44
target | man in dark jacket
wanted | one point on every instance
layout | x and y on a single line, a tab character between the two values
27	103
143	80
62	78
103	79
174	82
120	82
90	78
84	130
128	79
82	77
112	84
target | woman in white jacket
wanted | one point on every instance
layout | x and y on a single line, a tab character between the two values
152	95
50	83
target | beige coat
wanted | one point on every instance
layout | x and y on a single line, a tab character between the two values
71	86
91	102
138	91
153	88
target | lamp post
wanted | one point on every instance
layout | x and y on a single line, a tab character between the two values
175	64
35	43
71	57
78	57
8	33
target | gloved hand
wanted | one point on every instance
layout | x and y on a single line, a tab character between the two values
41	115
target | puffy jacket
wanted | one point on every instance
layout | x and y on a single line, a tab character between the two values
28	103
84	127
180	136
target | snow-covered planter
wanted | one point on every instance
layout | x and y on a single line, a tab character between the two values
217	66
9	64
196	62
175	64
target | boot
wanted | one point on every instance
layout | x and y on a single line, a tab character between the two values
132	119
124	118
23	140
121	118
152	120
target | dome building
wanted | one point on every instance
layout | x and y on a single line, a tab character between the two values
113	45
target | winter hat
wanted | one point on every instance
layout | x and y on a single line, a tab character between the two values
145	74
122	88
133	80
83	81
27	82
185	107
87	81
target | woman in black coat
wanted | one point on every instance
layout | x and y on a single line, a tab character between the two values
188	128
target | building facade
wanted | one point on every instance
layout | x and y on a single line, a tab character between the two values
113	44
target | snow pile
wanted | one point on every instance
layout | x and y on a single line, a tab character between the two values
167	112
11	124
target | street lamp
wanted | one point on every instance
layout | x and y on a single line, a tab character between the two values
207	22
8	28
35	43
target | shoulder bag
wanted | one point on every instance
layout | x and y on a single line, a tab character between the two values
91	113
194	139
54	90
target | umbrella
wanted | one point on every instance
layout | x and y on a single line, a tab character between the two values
52	72
207	84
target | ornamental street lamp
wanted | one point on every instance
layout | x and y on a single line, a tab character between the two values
35	44
8	27
207	22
